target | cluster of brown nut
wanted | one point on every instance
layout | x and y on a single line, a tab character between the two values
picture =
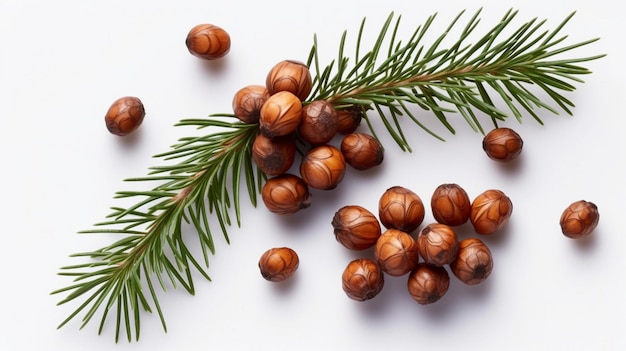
397	250
285	118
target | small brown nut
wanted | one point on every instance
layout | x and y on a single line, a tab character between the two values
503	144
323	167
362	279
274	156
579	219
292	76
248	101
396	252
428	284
438	244
362	151
208	41
280	115
319	122
490	211
285	194
473	263
400	208
450	204
278	264
125	115
355	227
349	119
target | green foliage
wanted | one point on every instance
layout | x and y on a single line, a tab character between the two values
462	78
202	179
153	246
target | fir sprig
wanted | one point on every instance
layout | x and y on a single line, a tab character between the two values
153	245
201	180
463	78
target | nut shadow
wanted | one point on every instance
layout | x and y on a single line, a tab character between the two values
129	142
287	286
512	168
214	67
586	245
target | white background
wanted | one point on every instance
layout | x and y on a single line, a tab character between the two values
63	62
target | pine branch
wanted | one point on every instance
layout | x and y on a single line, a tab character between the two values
153	246
463	78
202	180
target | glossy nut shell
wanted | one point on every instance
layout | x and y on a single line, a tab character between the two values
450	204
400	208
285	194
428	284
319	122
362	279
248	101
208	41
274	156
278	264
292	76
349	119
280	115
579	219
355	227
438	244
490	211
396	252
362	151
125	115
473	263
323	167
502	144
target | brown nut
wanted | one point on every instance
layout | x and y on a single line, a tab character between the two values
396	252
278	264
274	156
503	144
362	151
490	211
248	101
400	208
280	115
208	41
355	227
438	244
579	219
319	122
125	115
362	279
323	167
428	284
450	204
349	119
292	76
473	263
285	194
